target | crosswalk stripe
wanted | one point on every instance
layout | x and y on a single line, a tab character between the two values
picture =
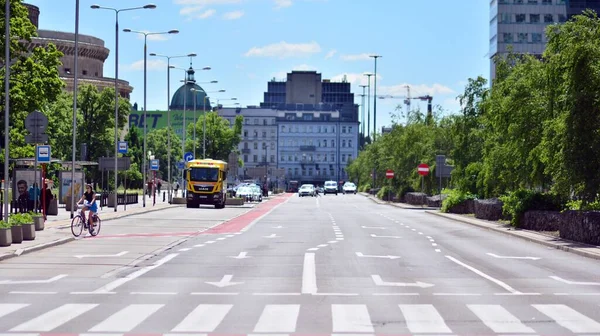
55	317
569	318
7	308
205	318
423	318
278	318
351	318
127	318
499	319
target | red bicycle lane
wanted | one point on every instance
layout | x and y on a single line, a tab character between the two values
234	225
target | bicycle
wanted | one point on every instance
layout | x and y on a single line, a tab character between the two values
77	228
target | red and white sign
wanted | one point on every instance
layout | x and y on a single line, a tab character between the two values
423	169
389	174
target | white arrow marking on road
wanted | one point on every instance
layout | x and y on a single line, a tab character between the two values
226	281
379	282
359	254
120	254
373	227
574	282
242	255
376	236
21	282
506	257
271	236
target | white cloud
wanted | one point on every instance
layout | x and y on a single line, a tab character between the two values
356	57
355	78
187	11
206	14
284	50
416	90
282	3
233	15
155	64
331	53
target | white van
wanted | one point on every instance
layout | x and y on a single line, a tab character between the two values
331	187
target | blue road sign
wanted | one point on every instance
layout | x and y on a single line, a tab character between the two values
180	165
43	153
123	147
189	156
153	164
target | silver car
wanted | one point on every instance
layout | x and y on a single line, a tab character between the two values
306	190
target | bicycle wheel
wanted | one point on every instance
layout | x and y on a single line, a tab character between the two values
77	226
97	225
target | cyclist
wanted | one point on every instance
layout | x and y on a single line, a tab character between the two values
90	204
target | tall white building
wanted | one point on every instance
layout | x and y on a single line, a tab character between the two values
521	24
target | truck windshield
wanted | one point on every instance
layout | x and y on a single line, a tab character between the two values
204	174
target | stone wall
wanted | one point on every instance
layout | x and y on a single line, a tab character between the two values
541	220
579	226
489	209
466	207
415	198
436	201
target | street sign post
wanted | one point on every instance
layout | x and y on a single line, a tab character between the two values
189	156
180	165
423	169
389	174
154	164
123	147
43	153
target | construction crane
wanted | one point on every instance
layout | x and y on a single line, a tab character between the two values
408	98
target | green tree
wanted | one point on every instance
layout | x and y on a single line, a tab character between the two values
157	143
221	137
34	77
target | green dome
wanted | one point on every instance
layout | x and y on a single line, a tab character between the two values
185	94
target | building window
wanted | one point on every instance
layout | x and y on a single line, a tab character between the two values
343	143
504	18
264	134
84	72
272	158
332	157
272	146
534	18
536	37
349	157
333	143
245	134
264	122
282	129
349	129
343	129
254	158
350	143
518	2
562	18
96	74
523	37
256	145
507	37
520	18
548	18
255	121
283	158
532	2
546	2
245	158
343	157
68	71
325	143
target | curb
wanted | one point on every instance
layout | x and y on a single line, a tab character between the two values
397	205
530	239
38	247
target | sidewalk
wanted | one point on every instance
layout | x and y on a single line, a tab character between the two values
57	228
585	250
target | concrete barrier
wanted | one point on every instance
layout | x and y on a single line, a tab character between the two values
179	200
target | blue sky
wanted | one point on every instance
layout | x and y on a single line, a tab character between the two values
432	45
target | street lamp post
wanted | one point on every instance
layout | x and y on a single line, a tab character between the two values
6	104
169	115
368	103
375	95
204	122
363	112
146	34
117	11
75	82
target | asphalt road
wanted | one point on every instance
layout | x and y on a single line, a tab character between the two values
328	265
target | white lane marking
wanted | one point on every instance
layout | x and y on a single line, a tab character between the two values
569	318
221	238
335	294
428	237
434	244
229	236
210	242
276	294
332	241
204	318
309	274
499	319
7	308
322	245
359	254
420	233
55	318
574	282
278	318
120	254
312	249
199	245
32	293
153	293
517	294
379	282
396	294
23	282
414	229
112	285
242	255
184	249
456	294
127	318
351	318
483	275
507	257
423	319
214	293
438	250
373	227
264	215
271	236
339	238
277	227
376	236
224	282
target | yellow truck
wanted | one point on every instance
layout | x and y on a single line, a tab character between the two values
206	183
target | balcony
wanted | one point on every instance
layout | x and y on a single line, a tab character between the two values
308	148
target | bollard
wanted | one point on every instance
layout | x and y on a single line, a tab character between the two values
164	196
